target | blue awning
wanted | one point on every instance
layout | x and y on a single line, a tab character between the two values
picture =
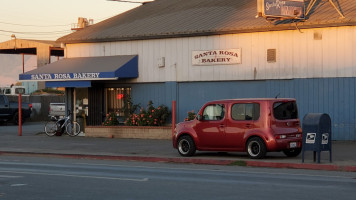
69	72
74	84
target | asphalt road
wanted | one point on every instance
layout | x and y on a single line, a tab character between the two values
55	178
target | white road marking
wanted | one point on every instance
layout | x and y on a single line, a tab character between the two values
217	170
18	185
6	176
78	176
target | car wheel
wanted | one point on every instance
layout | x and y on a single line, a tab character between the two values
292	152
256	148
186	146
15	119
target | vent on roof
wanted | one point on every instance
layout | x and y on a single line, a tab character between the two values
82	23
271	55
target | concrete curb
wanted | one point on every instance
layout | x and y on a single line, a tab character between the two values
307	166
326	167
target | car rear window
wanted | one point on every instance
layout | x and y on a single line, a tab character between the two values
285	110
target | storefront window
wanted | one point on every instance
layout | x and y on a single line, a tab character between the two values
115	99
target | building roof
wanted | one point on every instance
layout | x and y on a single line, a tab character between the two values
182	18
18	46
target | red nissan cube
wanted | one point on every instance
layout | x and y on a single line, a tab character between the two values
255	126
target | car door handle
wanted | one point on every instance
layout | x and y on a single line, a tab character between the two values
248	125
221	125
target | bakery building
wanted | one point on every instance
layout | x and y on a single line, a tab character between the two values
200	50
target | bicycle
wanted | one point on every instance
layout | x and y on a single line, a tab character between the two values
71	128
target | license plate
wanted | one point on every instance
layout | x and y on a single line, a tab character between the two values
293	145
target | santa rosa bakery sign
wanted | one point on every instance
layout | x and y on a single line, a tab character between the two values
216	57
65	76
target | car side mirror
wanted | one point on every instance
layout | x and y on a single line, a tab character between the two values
199	117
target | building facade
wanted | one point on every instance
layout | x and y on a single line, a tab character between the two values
241	57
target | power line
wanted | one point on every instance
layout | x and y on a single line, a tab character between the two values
37	33
126	1
33	25
4	35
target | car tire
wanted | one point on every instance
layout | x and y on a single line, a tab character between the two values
292	152
256	148
15	119
186	146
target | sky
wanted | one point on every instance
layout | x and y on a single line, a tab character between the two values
46	20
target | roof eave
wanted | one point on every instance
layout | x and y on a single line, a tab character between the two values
293	26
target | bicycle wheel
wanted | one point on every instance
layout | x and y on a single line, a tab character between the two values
73	129
51	128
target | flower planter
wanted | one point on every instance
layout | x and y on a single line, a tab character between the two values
130	132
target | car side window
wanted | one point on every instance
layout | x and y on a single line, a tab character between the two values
214	112
245	111
17	90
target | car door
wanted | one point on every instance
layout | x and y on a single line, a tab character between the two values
210	128
242	120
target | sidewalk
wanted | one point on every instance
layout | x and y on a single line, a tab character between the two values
34	142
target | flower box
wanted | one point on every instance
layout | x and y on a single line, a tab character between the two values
130	132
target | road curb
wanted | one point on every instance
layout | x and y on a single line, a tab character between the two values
308	166
326	167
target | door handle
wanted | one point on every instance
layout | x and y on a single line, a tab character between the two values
248	125
221	125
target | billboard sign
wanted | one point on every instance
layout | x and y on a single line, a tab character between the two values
284	8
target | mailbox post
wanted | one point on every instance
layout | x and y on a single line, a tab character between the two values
317	134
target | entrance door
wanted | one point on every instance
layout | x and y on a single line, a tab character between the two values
95	101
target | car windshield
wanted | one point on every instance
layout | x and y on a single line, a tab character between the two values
285	110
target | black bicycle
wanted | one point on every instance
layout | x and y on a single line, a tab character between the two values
71	128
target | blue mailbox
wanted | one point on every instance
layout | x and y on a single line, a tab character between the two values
316	134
